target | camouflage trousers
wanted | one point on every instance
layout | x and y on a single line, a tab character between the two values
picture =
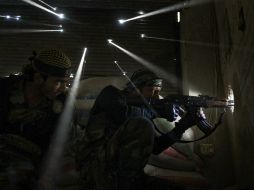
121	158
17	162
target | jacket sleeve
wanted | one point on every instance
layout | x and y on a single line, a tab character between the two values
112	101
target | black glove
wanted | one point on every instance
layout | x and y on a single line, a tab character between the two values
192	117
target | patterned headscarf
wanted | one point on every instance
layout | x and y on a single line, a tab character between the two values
144	77
52	62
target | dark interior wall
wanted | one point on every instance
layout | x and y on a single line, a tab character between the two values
202	75
90	27
224	60
236	32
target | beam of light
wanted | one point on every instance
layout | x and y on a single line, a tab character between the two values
236	47
157	70
110	40
145	101
43	8
61	16
42	24
63	128
54	8
121	21
176	7
45	24
203	44
122	71
178	16
10	17
16	31
53	25
129	80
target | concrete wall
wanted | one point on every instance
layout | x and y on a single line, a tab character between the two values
223	58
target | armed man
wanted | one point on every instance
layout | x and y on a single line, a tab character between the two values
119	136
29	110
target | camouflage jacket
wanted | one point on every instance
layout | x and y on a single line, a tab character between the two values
36	124
25	136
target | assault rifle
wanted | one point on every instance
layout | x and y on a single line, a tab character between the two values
199	101
192	103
